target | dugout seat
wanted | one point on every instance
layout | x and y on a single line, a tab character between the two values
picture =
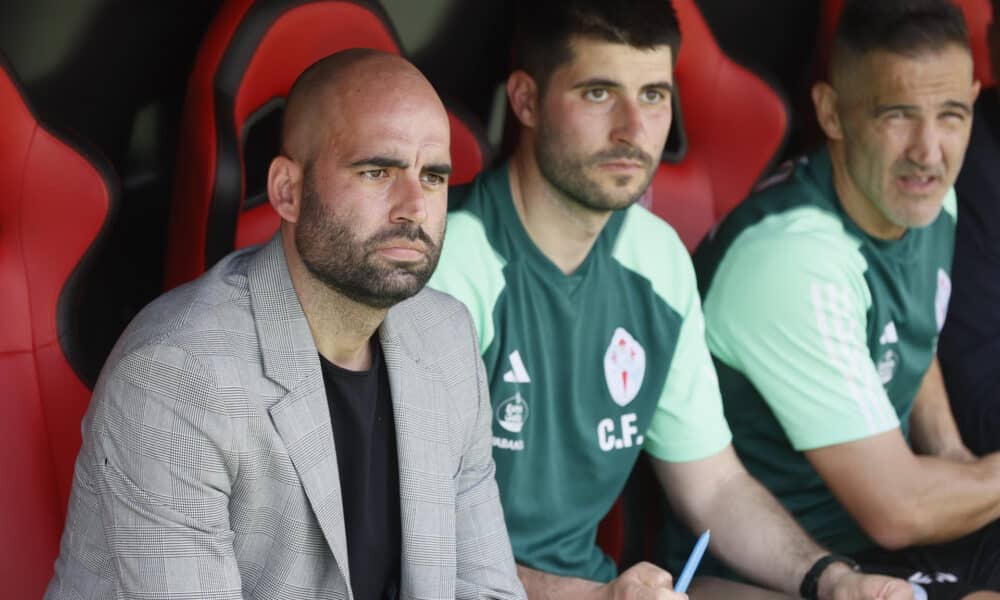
978	15
56	201
249	58
734	125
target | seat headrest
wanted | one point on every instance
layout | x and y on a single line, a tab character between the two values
251	56
730	144
978	16
58	198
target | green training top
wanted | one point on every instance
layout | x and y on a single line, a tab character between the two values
584	370
821	334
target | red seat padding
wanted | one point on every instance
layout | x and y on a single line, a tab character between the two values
54	204
978	15
735	124
470	153
249	59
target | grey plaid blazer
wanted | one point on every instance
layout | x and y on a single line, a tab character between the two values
208	468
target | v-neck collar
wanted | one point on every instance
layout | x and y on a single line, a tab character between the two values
521	241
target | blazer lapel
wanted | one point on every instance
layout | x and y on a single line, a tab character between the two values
302	416
415	392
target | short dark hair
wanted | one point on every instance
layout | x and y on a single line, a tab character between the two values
544	29
907	27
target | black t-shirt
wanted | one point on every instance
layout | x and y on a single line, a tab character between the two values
970	341
364	433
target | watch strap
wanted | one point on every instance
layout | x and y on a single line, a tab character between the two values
810	583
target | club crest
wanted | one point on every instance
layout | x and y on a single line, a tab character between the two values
624	367
512	413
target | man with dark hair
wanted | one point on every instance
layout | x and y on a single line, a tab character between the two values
591	328
303	421
541	38
970	341
824	295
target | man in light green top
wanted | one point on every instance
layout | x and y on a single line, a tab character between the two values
590	322
824	295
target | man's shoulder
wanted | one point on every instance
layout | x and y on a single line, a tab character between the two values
803	183
437	331
433	315
803	245
191	316
792	251
648	246
466	228
789	221
473	195
430	302
804	228
643	230
475	208
475	248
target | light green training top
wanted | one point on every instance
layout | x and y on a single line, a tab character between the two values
585	370
821	333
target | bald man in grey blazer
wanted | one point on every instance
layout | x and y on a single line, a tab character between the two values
211	467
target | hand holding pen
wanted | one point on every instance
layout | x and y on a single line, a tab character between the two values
644	581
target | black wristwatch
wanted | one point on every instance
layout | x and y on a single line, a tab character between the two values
810	583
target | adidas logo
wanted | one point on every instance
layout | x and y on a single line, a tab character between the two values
517	372
889	335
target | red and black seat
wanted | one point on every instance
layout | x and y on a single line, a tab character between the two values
56	200
734	127
978	16
248	61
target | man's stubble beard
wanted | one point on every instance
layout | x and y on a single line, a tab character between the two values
351	267
567	174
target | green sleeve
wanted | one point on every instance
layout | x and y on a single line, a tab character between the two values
688	423
789	312
470	270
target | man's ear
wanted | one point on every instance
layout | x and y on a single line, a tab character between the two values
284	188
824	99
522	93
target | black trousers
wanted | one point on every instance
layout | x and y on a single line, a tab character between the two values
946	571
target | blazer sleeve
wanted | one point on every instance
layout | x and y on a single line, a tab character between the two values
162	469
485	562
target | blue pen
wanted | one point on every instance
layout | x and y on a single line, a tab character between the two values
692	563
